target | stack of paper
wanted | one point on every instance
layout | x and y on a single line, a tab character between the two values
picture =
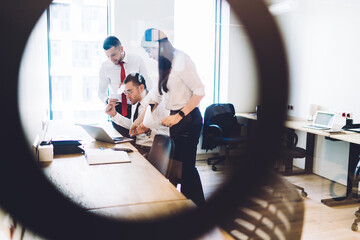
106	156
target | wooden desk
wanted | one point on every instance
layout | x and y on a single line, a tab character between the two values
353	138
152	210
105	185
134	190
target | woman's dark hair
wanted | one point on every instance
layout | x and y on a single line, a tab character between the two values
135	78
110	42
166	54
164	72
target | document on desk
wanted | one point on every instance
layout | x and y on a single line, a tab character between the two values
334	131
106	156
357	130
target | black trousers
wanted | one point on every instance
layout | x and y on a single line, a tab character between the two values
123	131
186	137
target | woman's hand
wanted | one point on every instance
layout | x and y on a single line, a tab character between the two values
171	120
136	130
133	127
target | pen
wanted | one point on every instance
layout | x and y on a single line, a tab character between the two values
128	150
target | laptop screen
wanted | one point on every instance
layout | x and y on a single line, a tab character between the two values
324	119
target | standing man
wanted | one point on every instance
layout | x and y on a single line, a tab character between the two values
137	93
113	73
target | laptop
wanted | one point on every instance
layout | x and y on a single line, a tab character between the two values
322	121
100	134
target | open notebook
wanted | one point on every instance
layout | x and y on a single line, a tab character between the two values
106	156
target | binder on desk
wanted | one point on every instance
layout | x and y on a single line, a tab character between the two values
352	127
63	146
106	156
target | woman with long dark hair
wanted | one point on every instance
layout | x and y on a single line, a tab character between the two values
181	90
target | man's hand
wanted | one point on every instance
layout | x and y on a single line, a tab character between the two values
110	110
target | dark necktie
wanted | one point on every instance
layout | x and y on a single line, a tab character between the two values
136	113
123	96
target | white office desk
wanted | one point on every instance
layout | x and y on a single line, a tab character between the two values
296	124
346	136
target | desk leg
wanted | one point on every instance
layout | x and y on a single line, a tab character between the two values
352	195
309	159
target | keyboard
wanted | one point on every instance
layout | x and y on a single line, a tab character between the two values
316	127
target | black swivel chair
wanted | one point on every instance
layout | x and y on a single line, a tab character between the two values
221	128
161	153
356	178
289	151
161	157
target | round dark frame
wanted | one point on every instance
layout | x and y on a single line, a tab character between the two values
35	203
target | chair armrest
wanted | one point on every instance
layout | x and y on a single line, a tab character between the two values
214	130
241	123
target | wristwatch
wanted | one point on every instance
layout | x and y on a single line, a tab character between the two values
148	133
182	114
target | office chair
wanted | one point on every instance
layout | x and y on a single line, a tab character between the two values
221	128
356	178
161	153
275	211
161	157
175	172
289	151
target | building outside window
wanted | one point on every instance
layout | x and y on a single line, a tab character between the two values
77	29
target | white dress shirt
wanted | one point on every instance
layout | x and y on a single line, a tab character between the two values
183	82
143	139
109	74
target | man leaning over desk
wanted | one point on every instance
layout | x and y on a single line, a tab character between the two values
113	73
136	92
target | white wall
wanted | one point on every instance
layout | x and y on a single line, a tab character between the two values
242	88
322	39
34	81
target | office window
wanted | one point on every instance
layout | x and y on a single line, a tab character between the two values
90	87
90	19
77	29
81	54
60	20
62	89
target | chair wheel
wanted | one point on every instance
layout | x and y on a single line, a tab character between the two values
214	168
304	194
357	213
354	227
